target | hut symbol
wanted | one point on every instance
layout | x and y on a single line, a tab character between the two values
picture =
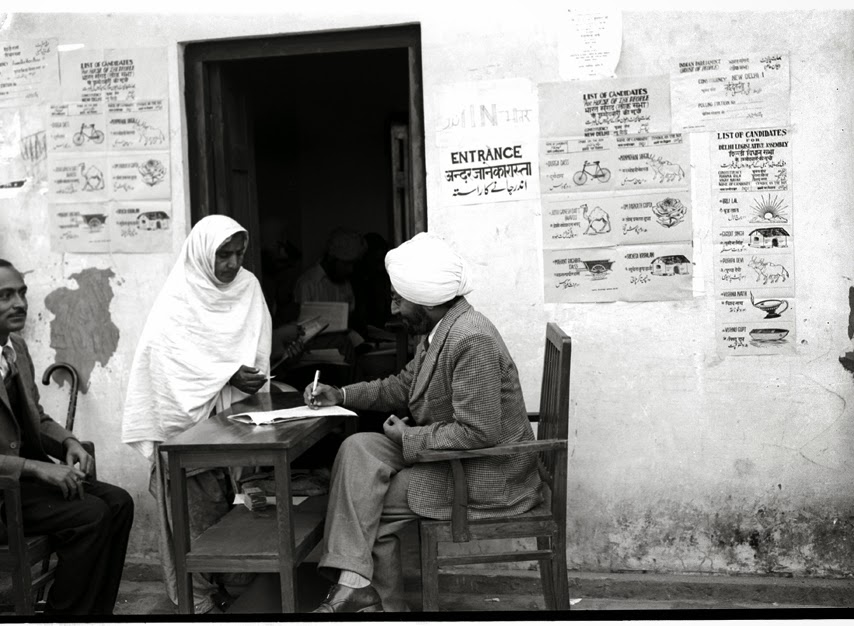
671	265
769	238
153	220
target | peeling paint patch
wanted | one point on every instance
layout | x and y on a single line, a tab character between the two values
723	537
82	332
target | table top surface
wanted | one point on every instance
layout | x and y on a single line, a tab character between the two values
219	432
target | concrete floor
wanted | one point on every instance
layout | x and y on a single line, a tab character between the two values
518	593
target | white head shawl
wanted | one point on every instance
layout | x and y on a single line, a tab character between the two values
426	270
198	334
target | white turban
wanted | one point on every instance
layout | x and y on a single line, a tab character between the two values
425	270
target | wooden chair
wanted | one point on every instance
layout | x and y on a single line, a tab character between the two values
19	552
546	522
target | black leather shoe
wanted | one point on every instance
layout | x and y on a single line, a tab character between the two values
341	599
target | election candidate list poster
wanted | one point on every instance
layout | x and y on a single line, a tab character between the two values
737	91
486	138
616	218
598	108
754	241
108	141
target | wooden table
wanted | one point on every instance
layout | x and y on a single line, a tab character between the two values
274	540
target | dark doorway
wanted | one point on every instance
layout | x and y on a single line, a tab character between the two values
295	135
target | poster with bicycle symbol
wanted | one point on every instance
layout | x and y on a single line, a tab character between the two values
76	127
576	165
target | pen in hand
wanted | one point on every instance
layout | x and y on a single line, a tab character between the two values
314	387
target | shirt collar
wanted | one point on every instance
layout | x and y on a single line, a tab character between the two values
433	332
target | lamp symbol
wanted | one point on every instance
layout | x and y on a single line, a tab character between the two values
770	306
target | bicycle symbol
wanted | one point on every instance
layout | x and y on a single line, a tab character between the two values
87	131
602	174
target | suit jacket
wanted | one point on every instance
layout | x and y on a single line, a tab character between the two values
50	434
463	393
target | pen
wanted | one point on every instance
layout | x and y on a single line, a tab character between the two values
316	377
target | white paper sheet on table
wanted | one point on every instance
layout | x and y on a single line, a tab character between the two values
240	498
261	418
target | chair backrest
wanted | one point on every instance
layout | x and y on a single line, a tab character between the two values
554	404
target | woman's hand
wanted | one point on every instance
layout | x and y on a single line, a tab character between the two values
324	395
248	379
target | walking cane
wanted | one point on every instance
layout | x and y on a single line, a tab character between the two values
72	400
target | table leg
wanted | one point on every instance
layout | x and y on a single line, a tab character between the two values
180	532
287	567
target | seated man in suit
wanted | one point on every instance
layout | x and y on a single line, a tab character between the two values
460	391
88	521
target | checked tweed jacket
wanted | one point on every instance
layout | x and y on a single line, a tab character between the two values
463	393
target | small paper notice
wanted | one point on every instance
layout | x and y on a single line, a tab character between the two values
262	418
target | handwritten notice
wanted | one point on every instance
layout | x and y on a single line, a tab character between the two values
477	173
140	125
601	108
139	176
754	322
627	163
576	221
733	91
113	75
78	178
77	127
141	227
754	237
589	43
28	72
504	106
660	271
581	275
629	273
79	227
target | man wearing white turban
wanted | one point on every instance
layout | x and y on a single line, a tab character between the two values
460	391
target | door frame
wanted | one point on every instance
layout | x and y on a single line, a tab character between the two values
202	61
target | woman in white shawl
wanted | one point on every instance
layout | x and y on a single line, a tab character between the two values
205	345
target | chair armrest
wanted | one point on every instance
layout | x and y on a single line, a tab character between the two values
459	508
429	456
90	448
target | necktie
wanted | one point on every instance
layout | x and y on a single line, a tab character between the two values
9	355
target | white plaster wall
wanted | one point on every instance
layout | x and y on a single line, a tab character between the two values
664	434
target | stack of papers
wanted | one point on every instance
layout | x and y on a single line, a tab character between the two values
241	498
264	418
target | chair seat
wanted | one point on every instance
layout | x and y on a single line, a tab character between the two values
38	547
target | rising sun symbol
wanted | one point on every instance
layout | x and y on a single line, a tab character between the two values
769	209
